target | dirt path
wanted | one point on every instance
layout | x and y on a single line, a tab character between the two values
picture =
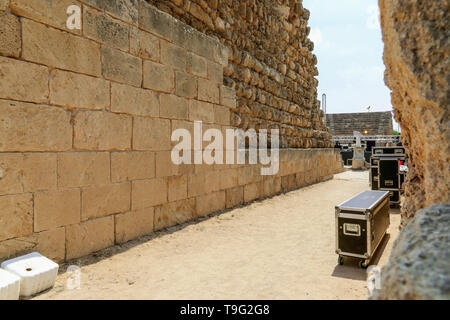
279	248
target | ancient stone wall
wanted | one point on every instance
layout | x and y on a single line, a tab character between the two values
416	55
271	64
85	128
416	36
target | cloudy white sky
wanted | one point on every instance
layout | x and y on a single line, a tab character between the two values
349	48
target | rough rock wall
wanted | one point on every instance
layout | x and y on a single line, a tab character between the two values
271	64
419	264
417	46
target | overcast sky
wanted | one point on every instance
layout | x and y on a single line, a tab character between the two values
348	45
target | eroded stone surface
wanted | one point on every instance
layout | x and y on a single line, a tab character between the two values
16	216
418	267
416	54
10	36
30	127
274	80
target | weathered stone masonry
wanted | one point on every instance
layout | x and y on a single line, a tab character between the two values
271	64
416	54
85	123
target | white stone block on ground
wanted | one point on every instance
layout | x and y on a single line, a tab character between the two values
9	286
37	273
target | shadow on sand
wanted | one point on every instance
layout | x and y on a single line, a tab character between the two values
351	270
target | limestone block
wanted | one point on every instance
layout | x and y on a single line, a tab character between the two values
103	28
173	55
144	45
50	243
272	185
177	188
174	213
215	72
95	130
213	179
252	192
89	236
208	91
202	45
155	21
185	85
134	224
27	172
245	175
10	35
222	115
16	216
300	179
166	168
69	52
81	169
201	111
148	193
158	77
23	81
132	100
99	201
197	185
228	178
121	67
132	165
196	65
210	203
234	197
54	209
151	134
78	91
126	10
52	13
173	107
30	127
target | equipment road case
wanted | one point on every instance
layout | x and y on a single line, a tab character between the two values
361	223
389	151
373	173
394	196
388	170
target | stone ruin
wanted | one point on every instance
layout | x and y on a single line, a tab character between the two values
86	115
375	123
80	170
417	46
274	80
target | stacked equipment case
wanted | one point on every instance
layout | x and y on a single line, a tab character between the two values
361	223
385	173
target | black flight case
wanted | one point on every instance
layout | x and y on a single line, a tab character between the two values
361	223
385	172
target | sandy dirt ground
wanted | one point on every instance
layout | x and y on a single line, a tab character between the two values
278	248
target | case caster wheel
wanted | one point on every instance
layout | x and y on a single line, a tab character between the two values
363	264
341	260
